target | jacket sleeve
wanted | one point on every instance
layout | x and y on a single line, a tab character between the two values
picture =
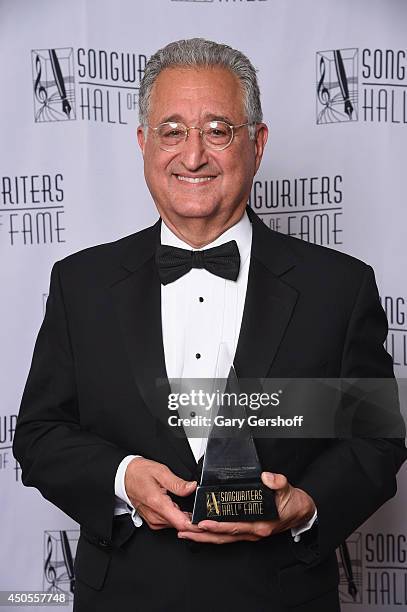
72	468
355	476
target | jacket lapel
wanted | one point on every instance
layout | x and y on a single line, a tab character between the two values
269	304
137	297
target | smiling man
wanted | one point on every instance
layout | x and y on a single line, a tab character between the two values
200	181
208	280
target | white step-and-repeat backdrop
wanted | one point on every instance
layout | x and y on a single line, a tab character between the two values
333	75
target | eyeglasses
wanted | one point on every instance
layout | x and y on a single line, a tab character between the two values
216	135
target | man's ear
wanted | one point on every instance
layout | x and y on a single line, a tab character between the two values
141	138
262	132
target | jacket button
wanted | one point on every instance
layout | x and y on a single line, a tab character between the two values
104	543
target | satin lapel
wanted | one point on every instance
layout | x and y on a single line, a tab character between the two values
269	304
137	299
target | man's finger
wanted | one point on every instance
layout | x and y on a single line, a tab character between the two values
237	528
277	482
178	486
260	529
170	514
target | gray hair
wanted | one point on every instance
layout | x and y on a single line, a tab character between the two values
203	53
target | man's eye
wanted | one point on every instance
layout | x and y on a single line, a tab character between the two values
217	132
172	133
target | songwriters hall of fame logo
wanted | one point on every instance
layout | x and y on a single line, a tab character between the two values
212	504
59	555
54	84
337	86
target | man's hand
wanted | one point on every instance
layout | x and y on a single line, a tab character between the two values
147	483
295	507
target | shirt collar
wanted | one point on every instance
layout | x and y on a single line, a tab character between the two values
241	232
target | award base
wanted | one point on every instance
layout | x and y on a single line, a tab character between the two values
250	501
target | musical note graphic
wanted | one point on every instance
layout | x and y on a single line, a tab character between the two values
53	81
39	91
59	574
49	569
337	93
322	91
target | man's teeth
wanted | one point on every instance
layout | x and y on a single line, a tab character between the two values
189	179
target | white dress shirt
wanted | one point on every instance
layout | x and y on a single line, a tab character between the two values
200	313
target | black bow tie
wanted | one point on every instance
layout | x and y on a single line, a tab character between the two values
223	260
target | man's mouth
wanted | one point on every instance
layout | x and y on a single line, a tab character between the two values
194	179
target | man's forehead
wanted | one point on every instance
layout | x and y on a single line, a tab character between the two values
214	92
197	73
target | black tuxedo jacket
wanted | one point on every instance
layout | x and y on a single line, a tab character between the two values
91	399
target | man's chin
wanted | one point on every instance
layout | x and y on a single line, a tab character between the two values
195	210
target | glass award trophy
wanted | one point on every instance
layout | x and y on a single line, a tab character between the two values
231	488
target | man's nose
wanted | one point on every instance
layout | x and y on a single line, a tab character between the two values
194	153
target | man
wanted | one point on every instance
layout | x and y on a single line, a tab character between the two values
121	317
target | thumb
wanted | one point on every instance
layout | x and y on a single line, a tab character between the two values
277	482
177	485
